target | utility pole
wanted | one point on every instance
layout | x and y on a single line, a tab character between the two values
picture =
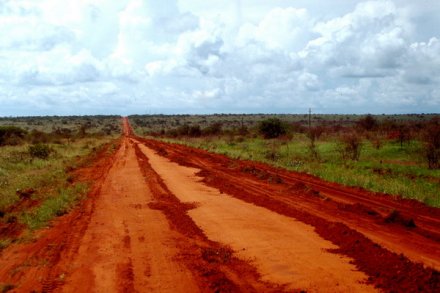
310	118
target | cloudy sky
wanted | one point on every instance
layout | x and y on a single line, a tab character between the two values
197	56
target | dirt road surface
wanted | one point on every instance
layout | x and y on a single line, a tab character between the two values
167	218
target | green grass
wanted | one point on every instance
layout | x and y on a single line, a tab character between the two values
54	191
54	206
392	169
19	171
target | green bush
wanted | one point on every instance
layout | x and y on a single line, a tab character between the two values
41	151
272	128
11	135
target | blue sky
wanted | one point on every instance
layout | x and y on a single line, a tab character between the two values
194	56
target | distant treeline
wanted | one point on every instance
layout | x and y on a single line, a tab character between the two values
53	129
196	125
350	130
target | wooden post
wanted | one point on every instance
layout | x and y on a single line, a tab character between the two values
310	118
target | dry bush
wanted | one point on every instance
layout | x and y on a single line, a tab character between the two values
431	139
213	129
404	134
375	139
195	131
314	134
367	123
272	153
313	151
350	146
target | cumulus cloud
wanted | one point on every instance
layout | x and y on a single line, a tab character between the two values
135	56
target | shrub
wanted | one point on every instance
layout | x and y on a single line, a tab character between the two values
213	129
183	129
11	135
350	146
194	131
297	127
375	139
243	130
272	155
368	122
172	133
431	139
66	132
41	151
36	136
313	134
403	134
272	128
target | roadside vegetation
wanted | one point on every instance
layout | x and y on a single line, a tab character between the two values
394	154
37	157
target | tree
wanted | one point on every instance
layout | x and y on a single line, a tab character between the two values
368	122
431	139
272	128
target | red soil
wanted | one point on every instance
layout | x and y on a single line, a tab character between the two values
133	234
394	241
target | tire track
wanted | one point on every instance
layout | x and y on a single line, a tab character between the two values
215	266
332	220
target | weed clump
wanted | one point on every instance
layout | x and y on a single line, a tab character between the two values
216	255
41	151
397	218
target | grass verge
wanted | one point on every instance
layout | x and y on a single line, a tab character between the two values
54	206
392	169
33	191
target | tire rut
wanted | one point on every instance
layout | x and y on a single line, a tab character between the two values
386	269
215	266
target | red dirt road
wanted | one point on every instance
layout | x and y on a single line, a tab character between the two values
168	218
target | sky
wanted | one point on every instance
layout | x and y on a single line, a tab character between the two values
81	57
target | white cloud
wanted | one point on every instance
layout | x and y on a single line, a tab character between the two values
128	56
283	29
423	63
